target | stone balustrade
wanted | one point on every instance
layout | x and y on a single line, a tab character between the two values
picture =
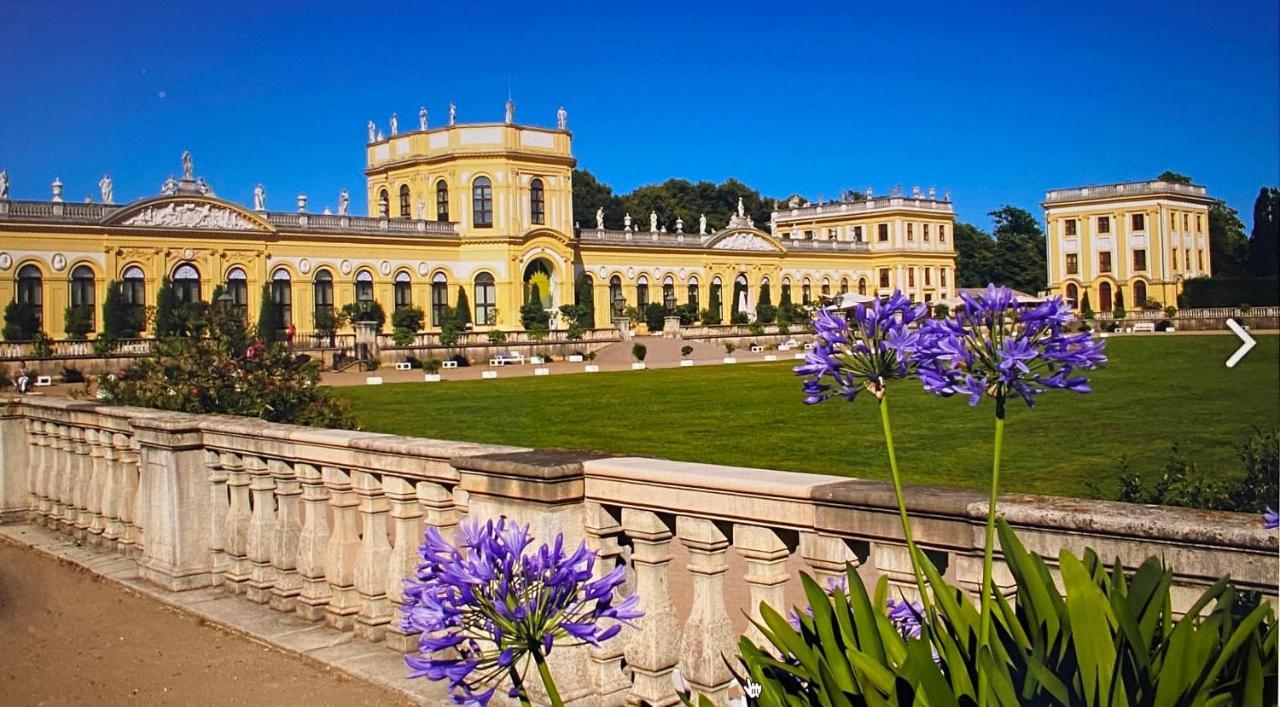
326	524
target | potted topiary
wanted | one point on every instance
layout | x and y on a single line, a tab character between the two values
685	352
729	348
639	351
432	368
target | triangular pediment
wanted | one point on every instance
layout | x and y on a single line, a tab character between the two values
745	239
189	211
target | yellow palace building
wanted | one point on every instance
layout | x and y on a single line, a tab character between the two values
485	207
1141	240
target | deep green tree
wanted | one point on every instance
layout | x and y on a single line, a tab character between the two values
1173	177
463	309
170	320
765	311
713	314
975	256
1228	244
1119	311
532	315
590	194
1086	309
120	320
21	323
270	327
1264	242
786	310
78	322
1020	250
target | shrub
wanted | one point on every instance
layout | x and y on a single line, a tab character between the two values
432	365
941	311
450	328
72	375
1184	484
1119	312
535	319
169	318
1086	309
1152	305
1171	311
729	348
120	320
497	337
1230	291
739	318
460	360
654	316
21	321
365	311
783	328
406	322
756	329
685	351
688	314
79	322
639	351
463	309
765	311
712	315
41	346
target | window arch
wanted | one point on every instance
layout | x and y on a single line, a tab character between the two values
862	285
238	289
486	297
1139	294
669	292
537	202
133	286
384	203
403	290
1073	294
616	300
482	203
282	297
322	291
826	287
642	292
693	291
1104	296
439	299
844	285
405	206
82	292
364	286
442	200
186	283
31	292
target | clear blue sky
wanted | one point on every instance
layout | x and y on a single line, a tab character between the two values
996	103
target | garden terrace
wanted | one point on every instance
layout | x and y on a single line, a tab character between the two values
325	524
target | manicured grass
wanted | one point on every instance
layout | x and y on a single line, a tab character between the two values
1156	391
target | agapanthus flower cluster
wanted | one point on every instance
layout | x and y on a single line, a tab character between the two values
861	352
1270	519
905	616
995	346
490	602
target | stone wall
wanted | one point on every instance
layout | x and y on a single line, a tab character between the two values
325	524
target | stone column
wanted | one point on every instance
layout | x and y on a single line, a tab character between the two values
406	520
218	505
235	529
177	527
708	634
262	530
654	651
16	480
766	557
313	544
372	557
344	543
603	532
284	554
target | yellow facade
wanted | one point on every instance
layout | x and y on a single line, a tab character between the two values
1138	240
483	207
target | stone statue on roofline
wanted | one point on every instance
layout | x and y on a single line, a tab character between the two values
626	222
170	186
4	184
259	198
600	218
453	113
679	225
422	118
108	193
702	224
395	125
188	166
562	119
344	200
373	132
511	112
653	221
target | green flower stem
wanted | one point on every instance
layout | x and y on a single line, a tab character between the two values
545	671
916	558
519	685
984	627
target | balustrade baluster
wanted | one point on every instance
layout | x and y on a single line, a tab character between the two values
219	503
97	485
79	519
39	470
313	544
344	543
288	583
653	651
110	490
262	530
406	521
708	634
766	556
603	533
372	558
57	476
235	533
142	499
130	488
826	556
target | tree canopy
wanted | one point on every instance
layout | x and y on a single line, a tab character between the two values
1014	257
671	200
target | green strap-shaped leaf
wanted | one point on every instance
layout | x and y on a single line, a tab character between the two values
1091	621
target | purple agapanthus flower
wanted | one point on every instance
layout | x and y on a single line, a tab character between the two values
835	585
993	345
485	604
1270	519
864	351
905	616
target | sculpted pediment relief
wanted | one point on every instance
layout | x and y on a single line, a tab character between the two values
745	241
191	214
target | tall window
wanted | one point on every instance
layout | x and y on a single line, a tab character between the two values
857	234
1199	224
1140	260
1174	253
364	286
882	232
928	276
282	297
238	290
403	290
537	202
1073	294
1073	264
1138	222
133	285
942	233
717	297
616	300
911	232
322	292
482	203
442	201
486	300
1104	296
82	292
1104	224
384	203
186	283
439	299
911	277
405	211
806	292
642	292
1104	261
844	285
669	293
1140	294
693	292
1199	260
884	277
942	277
826	287
1070	225
862	285
31	290
925	232
786	290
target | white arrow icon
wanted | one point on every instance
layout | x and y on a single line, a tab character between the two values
1248	344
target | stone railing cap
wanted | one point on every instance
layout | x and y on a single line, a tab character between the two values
879	494
711	477
420	447
541	465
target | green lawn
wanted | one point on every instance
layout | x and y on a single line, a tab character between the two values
1155	391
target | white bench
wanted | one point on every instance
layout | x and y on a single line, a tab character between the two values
1143	326
506	357
537	360
43	381
450	363
757	348
404	366
808	346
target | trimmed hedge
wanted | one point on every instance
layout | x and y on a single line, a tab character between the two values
1225	291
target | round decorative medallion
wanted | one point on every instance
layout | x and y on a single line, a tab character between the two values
345	267
304	266
384	267
188	254
423	269
631	272
59	262
6	261
603	272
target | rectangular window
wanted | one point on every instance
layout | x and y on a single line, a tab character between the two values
1104	261
911	277
857	234
942	234
1188	260
882	233
1173	222
1186	223
1175	258
928	275
1200	260
1070	225
884	277
911	233
808	235
1073	264
1139	222
831	234
1199	227
1104	224
942	277
1139	260
926	233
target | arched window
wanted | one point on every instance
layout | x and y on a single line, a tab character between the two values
862	285
282	297
482	203
186	283
785	294
486	296
364	286
669	293
826	287
82	296
844	285
133	286
31	292
1073	294
693	291
740	296
1139	294
537	202
1104	296
439	299
405	207
322	291
384	203
238	290
403	290
642	292
717	297
806	292
616	300
442	201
